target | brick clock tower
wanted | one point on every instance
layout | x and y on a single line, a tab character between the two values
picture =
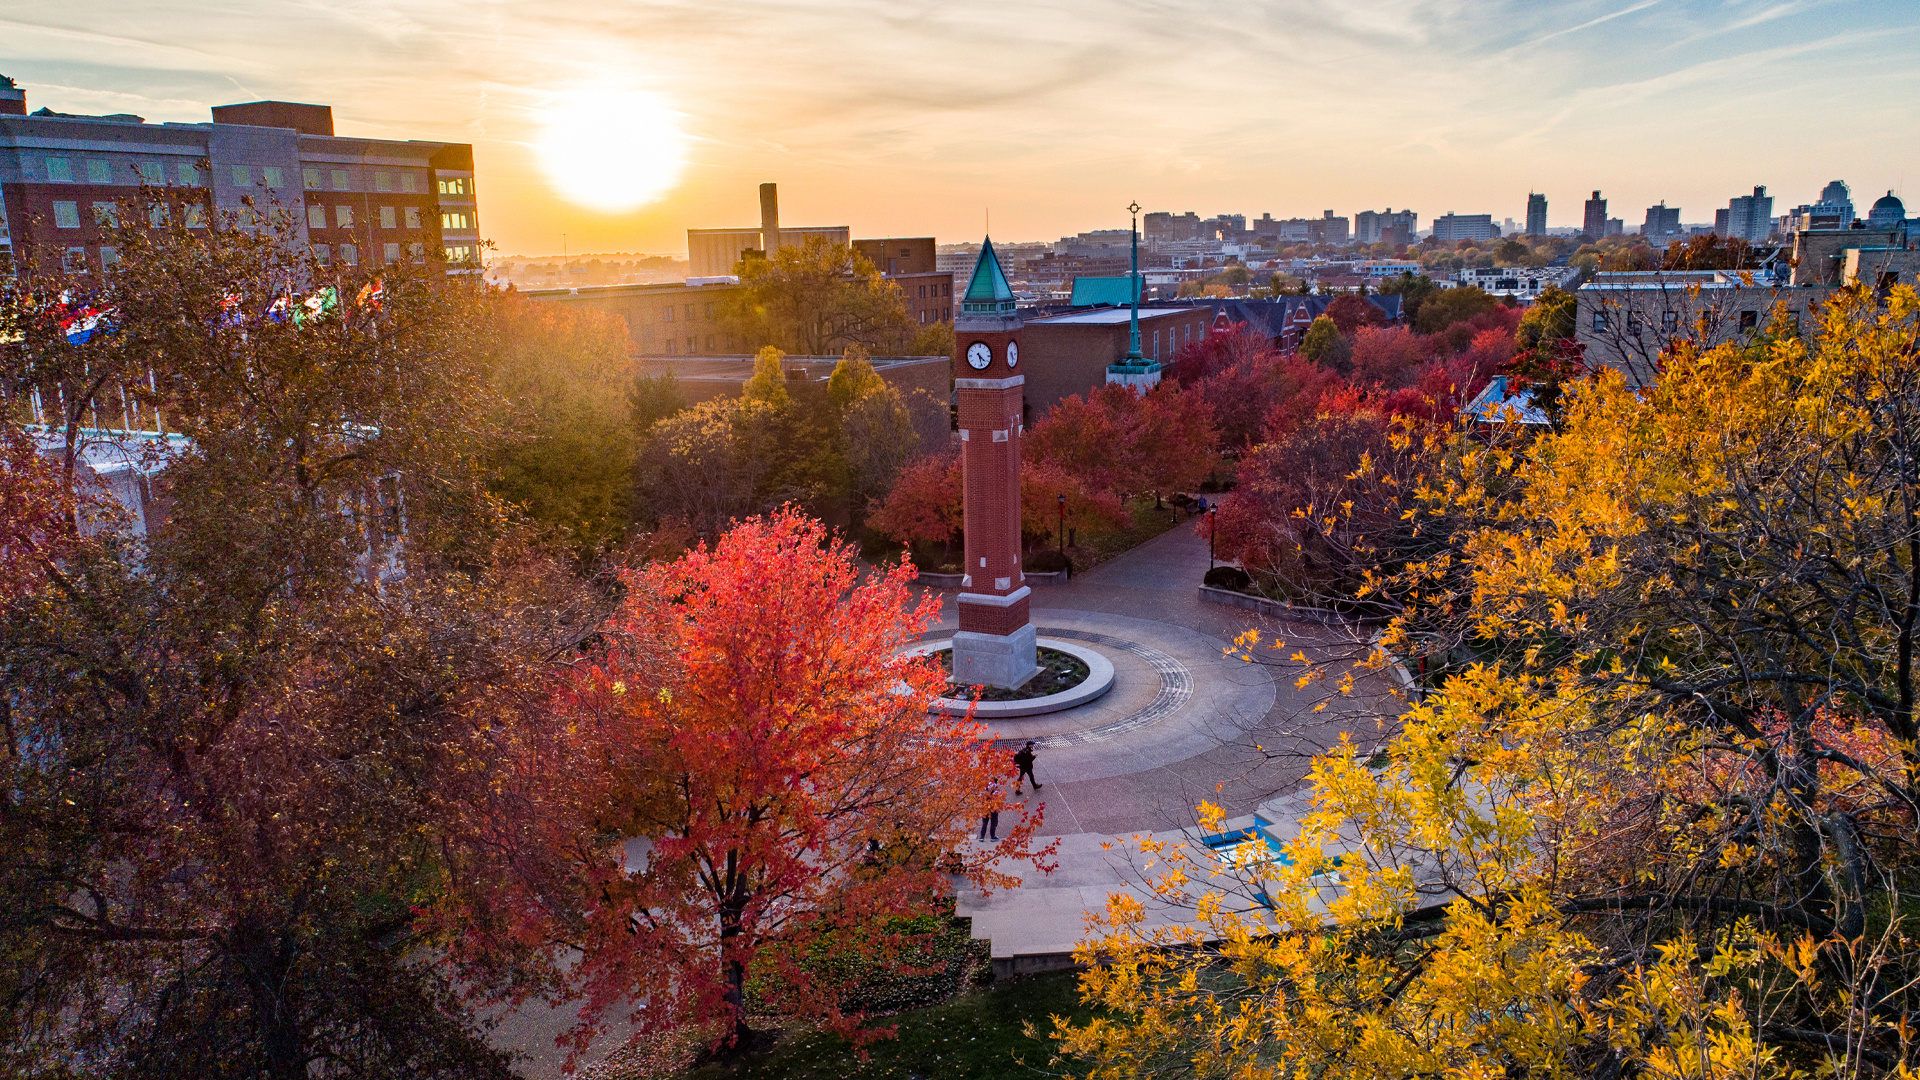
995	645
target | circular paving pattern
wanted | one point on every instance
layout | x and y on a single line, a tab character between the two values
1176	686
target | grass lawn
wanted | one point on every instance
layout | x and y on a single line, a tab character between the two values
1098	547
974	1035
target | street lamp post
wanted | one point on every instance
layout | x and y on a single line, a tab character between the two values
1213	524
1063	525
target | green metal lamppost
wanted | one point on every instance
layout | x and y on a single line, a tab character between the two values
1133	336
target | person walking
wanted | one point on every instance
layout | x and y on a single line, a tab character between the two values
1023	760
990	823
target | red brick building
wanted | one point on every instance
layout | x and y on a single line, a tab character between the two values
64	178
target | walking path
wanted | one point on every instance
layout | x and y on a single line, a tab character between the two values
1184	723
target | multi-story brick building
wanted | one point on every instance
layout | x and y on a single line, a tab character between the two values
913	263
662	320
64	178
1069	354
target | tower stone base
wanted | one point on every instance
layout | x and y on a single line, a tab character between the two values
1002	660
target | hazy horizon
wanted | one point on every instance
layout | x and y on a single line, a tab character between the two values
913	118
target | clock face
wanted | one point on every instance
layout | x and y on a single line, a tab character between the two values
979	355
1013	354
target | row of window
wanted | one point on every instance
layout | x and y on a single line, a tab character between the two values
692	312
66	215
391	217
61	170
672	347
939	290
349	254
99	171
1670	321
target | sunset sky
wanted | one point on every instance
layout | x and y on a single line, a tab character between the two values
908	117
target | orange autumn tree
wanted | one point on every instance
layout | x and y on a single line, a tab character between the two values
759	780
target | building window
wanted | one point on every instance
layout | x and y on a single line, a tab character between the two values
383	181
1633	322
392	254
690	318
923	292
196	216
947	289
74	260
106	215
243	176
342	181
189	173
159	215
59	170
417	252
386	217
692	347
343	217
709	311
1749	320
316	217
349	254
666	313
453	186
273	177
671	347
98	172
152	172
109	256
1669	321
454	222
409	183
459	253
1599	320
322	255
66	215
411	215
709	342
311	177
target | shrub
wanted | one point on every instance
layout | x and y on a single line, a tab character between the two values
1228	577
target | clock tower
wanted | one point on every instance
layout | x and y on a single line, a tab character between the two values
995	645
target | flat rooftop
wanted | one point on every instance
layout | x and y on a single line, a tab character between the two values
1109	316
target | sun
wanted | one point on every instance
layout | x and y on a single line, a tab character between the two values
612	149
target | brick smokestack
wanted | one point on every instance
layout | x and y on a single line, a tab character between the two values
13	100
769	218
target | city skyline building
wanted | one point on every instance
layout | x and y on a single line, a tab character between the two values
1536	214
1593	222
1750	217
348	200
1452	228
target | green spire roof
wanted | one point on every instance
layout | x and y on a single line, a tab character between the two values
989	284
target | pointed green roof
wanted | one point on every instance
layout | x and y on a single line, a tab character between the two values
989	284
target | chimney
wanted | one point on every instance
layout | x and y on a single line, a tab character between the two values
13	100
769	218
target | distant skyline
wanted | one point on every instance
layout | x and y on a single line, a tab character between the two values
910	117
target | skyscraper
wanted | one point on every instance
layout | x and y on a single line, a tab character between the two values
1662	222
1594	224
1747	217
1536	215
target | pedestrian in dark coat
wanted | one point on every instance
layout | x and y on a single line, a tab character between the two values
1023	760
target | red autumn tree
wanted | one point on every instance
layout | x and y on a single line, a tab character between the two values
1042	483
924	506
37	508
1120	441
1088	437
1350	312
756	777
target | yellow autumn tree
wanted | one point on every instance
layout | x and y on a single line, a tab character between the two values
1655	815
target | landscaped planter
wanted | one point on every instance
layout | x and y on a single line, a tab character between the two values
939	581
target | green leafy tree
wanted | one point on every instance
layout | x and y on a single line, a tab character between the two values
569	460
819	298
1322	343
242	752
1449	306
1413	290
